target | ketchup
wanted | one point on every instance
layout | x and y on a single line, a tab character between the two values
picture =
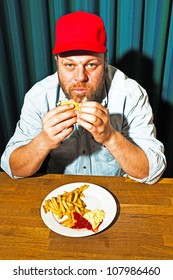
81	222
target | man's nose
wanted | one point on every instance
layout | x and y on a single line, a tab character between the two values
81	74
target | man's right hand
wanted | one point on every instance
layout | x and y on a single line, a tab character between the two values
57	125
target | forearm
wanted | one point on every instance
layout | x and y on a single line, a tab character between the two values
130	157
26	160
57	124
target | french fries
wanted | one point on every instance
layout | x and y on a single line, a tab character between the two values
65	204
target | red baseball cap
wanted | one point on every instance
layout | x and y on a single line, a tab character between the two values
80	31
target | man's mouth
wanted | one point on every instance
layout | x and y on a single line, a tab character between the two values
80	89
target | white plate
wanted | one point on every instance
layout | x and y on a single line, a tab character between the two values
96	197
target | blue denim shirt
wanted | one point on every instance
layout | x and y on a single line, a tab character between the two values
130	114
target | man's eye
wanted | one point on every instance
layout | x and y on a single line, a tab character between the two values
69	66
91	65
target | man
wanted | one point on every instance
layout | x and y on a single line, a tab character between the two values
112	133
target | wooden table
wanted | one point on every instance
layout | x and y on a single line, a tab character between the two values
143	228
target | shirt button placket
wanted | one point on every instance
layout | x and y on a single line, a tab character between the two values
84	156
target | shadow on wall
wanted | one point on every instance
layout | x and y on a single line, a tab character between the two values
141	68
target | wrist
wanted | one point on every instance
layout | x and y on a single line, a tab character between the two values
110	141
42	144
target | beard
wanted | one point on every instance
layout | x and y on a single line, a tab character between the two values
93	94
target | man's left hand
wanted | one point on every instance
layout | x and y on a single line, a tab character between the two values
95	118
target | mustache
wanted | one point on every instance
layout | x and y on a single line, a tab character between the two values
79	85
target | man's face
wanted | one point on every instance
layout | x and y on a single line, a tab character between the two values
81	74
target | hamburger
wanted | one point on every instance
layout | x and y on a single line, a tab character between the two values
71	101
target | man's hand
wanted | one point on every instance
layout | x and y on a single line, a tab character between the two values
132	159
95	118
57	125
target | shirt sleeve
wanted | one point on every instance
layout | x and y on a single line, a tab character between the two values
27	128
41	98
141	131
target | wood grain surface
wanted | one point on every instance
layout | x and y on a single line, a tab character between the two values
142	229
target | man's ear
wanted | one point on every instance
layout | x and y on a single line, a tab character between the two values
56	58
105	60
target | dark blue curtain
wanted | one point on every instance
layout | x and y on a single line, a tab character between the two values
140	42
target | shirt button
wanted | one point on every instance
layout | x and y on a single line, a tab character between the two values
84	167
